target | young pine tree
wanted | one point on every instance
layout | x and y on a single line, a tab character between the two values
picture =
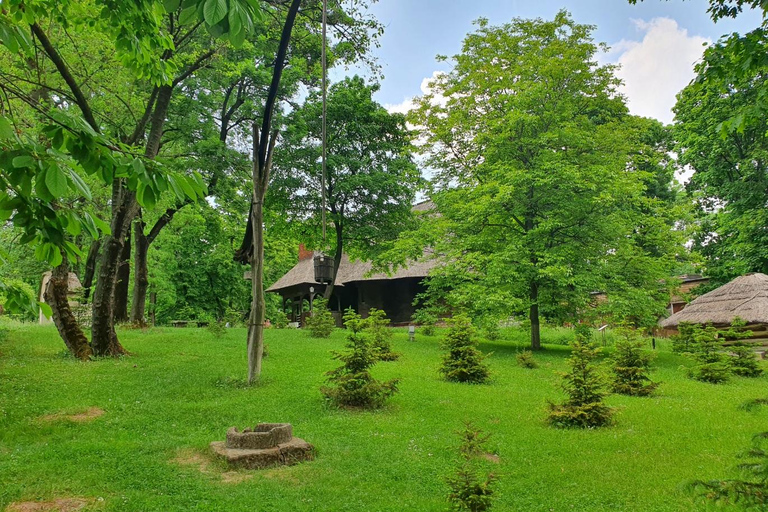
525	359
707	351
463	362
585	386
352	384
378	326
631	364
471	486
743	360
321	322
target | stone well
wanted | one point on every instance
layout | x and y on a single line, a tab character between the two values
265	445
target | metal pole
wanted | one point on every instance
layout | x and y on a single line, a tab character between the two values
325	110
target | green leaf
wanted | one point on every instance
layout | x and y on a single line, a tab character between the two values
56	181
6	129
80	185
90	226
46	309
173	182
214	11
146	196
171	5
103	226
237	38
23	161
235	22
74	224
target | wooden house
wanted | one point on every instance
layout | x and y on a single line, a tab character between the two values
355	287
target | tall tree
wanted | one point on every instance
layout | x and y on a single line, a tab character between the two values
529	141
730	179
371	179
147	48
211	115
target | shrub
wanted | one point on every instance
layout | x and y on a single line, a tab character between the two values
381	334
583	332
280	320
490	330
471	488
585	386
352	384
526	359
426	321
463	362
682	342
217	329
631	364
743	360
706	349
321	322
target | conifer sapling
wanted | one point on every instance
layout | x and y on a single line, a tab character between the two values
463	362
352	384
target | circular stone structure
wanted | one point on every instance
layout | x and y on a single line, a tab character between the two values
263	435
263	446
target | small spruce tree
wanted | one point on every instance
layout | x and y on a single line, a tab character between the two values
352	384
682	342
743	361
463	362
471	486
525	359
631	364
381	334
321	322
707	351
585	386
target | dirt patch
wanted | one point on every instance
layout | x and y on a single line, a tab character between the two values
89	414
207	467
57	505
492	457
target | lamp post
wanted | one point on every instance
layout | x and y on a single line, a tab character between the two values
311	298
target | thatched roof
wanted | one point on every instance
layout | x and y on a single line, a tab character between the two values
303	273
745	297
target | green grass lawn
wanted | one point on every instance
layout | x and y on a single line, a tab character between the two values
182	388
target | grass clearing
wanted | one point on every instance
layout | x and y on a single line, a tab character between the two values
182	388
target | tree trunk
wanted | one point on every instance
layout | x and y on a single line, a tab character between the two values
124	208
123	281
256	321
103	336
57	297
141	275
263	146
534	318
336	260
90	268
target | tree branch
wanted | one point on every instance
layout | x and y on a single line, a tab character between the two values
63	70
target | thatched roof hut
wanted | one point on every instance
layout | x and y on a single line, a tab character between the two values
745	297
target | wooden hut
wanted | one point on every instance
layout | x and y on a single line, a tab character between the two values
745	297
355	287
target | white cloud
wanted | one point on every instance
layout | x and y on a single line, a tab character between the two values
655	69
407	104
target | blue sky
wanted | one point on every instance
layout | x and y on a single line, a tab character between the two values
657	42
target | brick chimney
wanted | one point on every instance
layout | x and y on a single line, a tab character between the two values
304	254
